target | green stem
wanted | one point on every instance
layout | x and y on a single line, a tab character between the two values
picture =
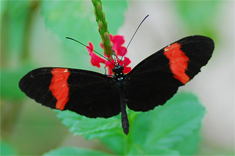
103	28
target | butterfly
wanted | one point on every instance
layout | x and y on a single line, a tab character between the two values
149	84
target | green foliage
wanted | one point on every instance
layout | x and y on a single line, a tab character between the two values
81	125
9	82
14	34
74	151
166	130
199	16
190	143
6	149
76	19
15	28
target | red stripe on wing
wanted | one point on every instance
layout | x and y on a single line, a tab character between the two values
178	62
59	86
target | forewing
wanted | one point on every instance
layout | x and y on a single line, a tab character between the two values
157	78
84	92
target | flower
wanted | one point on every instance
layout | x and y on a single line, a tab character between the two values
95	60
119	50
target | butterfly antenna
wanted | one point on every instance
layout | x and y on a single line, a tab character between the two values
133	35
89	48
115	58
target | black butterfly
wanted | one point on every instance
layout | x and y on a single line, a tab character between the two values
151	83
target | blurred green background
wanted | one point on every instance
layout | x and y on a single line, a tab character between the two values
33	35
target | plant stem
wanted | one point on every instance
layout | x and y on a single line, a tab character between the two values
103	28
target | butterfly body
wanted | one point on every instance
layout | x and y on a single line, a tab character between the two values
120	78
151	83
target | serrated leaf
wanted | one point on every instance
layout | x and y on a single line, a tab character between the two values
163	128
189	145
76	19
138	150
81	125
74	151
115	131
117	142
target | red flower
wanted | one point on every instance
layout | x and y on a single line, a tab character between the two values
119	51
95	60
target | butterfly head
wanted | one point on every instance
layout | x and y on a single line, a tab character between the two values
118	72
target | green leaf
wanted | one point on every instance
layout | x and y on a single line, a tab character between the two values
81	125
166	128
6	149
138	150
76	19
74	151
196	15
114	13
189	145
10	82
168	125
3	8
117	142
16	28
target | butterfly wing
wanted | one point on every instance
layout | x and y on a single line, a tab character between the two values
84	92
157	78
